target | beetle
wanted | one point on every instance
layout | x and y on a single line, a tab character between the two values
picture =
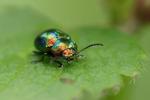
58	45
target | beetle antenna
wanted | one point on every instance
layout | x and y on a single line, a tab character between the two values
91	45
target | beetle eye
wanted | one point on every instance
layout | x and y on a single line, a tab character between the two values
68	52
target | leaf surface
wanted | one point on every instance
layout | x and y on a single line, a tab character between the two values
101	69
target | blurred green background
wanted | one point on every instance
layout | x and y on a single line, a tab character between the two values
130	16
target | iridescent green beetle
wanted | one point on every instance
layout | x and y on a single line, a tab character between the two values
58	45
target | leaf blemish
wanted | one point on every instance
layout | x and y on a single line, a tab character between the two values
67	80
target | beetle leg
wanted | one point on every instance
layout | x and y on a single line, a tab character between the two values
69	60
38	53
79	57
60	65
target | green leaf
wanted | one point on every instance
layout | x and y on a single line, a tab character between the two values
139	90
103	68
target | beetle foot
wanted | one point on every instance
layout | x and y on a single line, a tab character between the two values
38	53
60	65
